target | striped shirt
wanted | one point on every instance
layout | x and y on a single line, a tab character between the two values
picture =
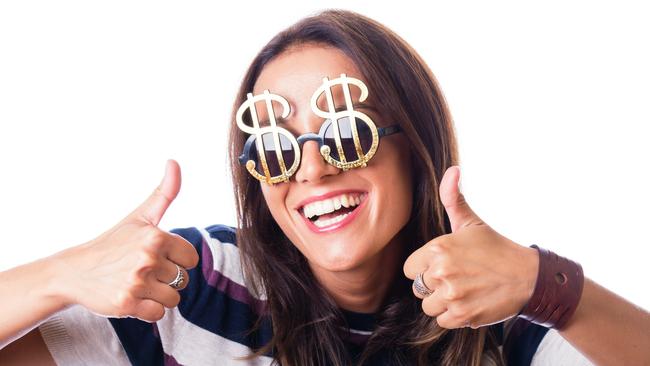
211	324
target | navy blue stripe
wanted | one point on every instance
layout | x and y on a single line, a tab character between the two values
497	331
360	321
142	347
213	310
523	339
223	233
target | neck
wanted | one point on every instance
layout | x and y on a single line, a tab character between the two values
363	288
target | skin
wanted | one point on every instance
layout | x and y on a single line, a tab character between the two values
347	262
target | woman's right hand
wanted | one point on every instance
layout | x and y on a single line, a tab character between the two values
126	270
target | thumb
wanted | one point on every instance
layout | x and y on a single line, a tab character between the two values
153	209
459	212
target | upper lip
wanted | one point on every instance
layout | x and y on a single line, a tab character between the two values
326	195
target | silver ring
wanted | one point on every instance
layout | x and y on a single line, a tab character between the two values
420	287
178	282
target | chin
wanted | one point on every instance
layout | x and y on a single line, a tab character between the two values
338	259
337	264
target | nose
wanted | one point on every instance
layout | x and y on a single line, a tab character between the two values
313	167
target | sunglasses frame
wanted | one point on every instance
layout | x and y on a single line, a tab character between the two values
378	132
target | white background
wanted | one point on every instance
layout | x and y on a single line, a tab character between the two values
550	104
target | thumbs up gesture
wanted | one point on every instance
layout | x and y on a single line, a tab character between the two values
475	276
126	271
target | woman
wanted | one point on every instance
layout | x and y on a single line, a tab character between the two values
362	190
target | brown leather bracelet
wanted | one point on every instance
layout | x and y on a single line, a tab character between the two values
557	290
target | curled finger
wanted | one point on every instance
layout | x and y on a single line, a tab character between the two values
434	304
149	310
162	293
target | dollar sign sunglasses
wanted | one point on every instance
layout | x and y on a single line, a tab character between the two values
347	139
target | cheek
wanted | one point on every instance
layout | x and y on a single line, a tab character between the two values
275	197
399	196
397	183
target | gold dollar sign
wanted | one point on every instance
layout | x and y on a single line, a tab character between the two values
353	115
273	129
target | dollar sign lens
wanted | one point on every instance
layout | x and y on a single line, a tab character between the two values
263	160
274	166
347	138
350	136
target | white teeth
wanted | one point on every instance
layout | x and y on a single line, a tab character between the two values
333	220
319	208
328	205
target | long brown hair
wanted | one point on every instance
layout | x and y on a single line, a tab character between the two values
306	322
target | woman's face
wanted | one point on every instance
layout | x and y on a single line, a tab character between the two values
330	241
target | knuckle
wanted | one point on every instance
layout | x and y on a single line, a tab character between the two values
137	289
459	312
453	293
147	263
154	240
438	246
443	271
124	303
444	258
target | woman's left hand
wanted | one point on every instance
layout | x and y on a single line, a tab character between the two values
478	276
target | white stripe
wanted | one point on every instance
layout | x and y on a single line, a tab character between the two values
225	260
555	350
77	336
191	345
362	332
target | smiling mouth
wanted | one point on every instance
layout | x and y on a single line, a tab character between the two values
331	211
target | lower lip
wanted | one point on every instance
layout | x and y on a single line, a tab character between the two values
338	225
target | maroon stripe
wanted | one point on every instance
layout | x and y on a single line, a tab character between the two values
155	330
169	360
222	283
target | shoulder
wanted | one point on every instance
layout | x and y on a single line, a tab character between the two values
219	268
197	236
